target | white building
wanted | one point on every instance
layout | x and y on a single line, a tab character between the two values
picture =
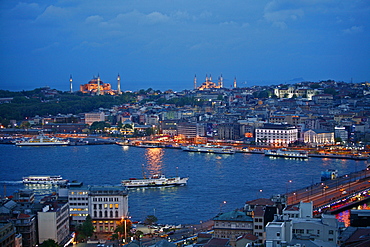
107	205
297	225
92	117
53	222
318	137
276	135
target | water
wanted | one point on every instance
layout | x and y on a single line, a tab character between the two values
213	178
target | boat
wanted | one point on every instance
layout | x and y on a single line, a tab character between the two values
287	153
42	140
157	180
209	149
49	180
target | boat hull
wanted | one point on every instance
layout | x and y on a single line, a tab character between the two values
161	182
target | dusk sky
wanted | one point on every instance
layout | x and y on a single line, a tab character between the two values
162	44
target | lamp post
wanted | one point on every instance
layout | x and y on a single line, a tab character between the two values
222	203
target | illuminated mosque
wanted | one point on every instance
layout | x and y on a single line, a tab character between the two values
208	84
98	87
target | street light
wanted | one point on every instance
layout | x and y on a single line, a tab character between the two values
224	202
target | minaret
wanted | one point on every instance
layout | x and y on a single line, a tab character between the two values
98	84
195	82
118	84
221	82
70	84
235	82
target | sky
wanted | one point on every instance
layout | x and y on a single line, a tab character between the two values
163	44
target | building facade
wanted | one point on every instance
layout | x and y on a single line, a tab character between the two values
53	222
276	135
232	225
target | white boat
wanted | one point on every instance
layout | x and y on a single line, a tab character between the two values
287	153
42	140
40	179
209	149
156	180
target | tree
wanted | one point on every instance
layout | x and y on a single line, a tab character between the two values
123	229
86	229
49	243
150	219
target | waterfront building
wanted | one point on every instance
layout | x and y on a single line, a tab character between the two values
276	135
108	206
190	130
92	117
53	222
229	131
231	225
341	132
64	127
318	137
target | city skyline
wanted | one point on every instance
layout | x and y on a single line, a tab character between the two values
163	45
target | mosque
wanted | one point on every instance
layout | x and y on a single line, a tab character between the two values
208	84
97	87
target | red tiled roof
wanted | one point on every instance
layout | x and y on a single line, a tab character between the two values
248	236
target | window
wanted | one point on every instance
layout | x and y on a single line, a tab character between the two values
331	232
278	234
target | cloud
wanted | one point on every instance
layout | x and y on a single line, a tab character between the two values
279	12
156	17
353	30
94	19
25	10
54	15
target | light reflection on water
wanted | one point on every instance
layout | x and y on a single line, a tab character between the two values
154	159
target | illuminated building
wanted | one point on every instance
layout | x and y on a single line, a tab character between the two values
107	205
208	84
318	137
96	86
276	135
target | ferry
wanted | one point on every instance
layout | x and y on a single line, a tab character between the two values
42	140
157	180
209	149
50	180
287	153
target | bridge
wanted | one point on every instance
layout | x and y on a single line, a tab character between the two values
335	195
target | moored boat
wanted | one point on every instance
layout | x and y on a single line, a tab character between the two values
41	179
209	149
157	180
287	153
42	140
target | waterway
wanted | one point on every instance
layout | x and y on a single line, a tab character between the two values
217	183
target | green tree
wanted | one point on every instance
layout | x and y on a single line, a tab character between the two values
86	229
49	243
